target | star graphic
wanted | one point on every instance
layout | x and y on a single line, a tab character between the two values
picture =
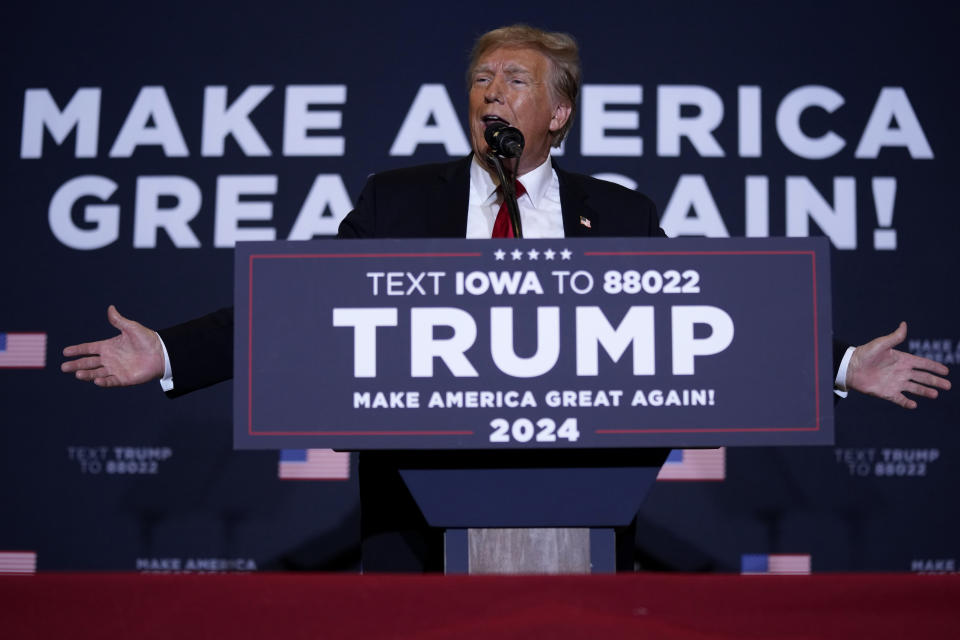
565	254
516	254
498	254
533	254
548	254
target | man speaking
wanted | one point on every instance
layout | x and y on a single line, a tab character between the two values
519	77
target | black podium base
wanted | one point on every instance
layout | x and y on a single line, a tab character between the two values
596	489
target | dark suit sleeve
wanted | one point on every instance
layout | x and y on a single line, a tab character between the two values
362	221
655	230
201	351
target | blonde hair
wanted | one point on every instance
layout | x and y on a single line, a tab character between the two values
559	48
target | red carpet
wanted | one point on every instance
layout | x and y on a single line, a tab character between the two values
139	607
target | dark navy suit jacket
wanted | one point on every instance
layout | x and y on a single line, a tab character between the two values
427	201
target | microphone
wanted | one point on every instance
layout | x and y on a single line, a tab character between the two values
504	140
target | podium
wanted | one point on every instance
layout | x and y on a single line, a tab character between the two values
531	389
531	511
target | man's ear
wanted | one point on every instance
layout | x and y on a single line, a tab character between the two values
561	113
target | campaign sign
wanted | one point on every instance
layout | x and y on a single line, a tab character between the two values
484	344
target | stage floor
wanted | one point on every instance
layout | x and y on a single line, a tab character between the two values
300	605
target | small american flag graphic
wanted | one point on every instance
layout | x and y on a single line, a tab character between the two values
314	464
18	563
775	564
695	464
585	222
23	350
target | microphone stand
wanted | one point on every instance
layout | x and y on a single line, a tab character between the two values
509	195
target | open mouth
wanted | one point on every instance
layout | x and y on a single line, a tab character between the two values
490	119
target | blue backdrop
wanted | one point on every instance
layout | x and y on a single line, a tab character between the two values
139	143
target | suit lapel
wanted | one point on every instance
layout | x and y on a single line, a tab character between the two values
450	200
579	220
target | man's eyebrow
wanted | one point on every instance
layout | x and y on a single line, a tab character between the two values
513	69
516	69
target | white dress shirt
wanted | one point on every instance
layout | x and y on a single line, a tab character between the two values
540	214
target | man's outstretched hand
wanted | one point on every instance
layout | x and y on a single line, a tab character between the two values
879	370
133	357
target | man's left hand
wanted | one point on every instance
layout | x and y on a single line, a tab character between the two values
879	370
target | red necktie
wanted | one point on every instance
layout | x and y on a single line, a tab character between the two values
501	226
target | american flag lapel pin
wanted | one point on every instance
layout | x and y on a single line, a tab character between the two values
585	222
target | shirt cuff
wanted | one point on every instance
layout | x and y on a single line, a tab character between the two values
840	384
166	382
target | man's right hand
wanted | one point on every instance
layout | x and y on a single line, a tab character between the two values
133	357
